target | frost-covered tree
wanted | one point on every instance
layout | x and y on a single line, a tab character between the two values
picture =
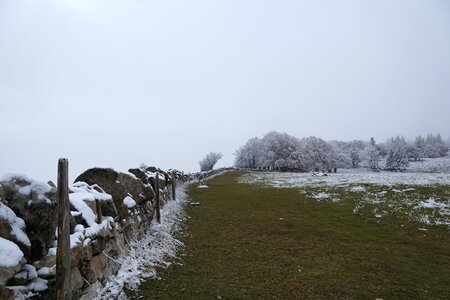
397	158
431	147
353	150
319	154
209	161
371	154
390	159
435	146
418	149
248	156
441	146
341	159
280	151
382	149
355	157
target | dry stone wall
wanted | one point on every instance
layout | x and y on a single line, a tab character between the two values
108	209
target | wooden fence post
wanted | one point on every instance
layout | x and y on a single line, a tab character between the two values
63	288
158	212
174	184
98	207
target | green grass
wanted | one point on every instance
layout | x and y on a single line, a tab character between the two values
237	247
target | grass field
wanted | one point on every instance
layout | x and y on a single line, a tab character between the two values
253	242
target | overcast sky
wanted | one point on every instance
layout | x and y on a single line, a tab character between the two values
116	83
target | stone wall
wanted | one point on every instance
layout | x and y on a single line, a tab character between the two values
28	227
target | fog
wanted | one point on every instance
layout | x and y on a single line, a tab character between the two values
117	83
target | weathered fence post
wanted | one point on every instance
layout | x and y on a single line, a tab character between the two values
174	184
157	204
98	207
63	288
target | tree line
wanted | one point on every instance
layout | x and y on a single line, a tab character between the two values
281	151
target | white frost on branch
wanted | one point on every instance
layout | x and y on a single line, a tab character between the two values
208	163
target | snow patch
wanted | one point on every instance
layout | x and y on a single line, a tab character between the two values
431	203
17	224
40	188
45	271
96	191
10	253
321	195
95	228
28	272
129	202
77	200
345	177
52	251
76	238
37	285
357	189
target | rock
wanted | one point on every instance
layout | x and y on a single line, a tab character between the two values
38	285
148	211
7	273
19	291
76	280
109	209
27	273
139	174
6	294
17	281
119	239
134	186
79	254
46	272
161	182
166	177
140	218
77	219
96	269
92	194
148	189
105	233
34	202
49	293
129	231
119	185
98	245
48	261
112	249
14	235
152	169
73	222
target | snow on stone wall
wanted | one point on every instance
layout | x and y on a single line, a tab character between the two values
28	256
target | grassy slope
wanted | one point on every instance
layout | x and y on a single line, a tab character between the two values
237	247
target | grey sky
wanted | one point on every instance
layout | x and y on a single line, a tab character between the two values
116	83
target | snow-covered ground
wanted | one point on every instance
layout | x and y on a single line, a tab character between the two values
421	193
436	165
418	173
153	250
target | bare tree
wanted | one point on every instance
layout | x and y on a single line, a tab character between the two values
209	161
